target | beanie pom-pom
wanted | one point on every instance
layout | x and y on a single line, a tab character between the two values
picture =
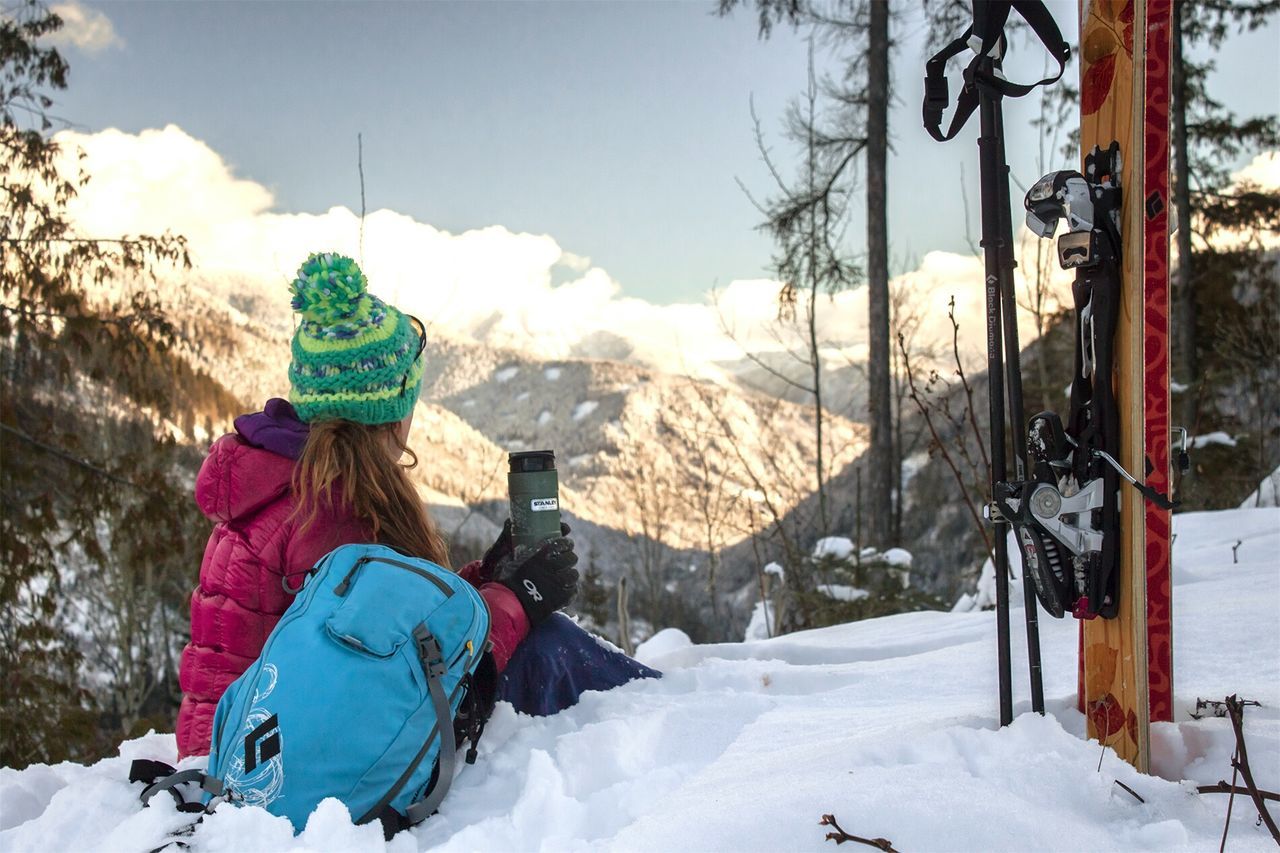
328	289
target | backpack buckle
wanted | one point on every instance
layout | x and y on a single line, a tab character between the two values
429	651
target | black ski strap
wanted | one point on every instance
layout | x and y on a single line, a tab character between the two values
1037	16
985	36
158	776
147	771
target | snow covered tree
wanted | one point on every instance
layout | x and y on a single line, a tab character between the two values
838	583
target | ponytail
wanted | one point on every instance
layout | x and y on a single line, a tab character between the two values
352	460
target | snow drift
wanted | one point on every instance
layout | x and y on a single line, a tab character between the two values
887	723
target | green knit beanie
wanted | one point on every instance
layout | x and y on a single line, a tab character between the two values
354	356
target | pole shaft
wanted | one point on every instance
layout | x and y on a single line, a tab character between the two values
1017	410
991	173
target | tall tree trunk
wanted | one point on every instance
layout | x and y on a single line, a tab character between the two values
1184	315
895	527
878	396
815	281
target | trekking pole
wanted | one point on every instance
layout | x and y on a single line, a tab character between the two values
991	171
984	91
1013	384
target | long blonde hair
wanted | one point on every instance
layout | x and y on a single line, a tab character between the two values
346	466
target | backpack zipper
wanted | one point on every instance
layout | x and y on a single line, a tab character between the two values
345	584
469	645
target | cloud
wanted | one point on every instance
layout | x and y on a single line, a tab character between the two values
517	290
1262	174
1264	171
87	29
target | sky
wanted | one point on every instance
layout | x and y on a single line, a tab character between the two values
561	178
621	129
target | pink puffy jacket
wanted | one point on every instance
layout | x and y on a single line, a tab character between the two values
246	491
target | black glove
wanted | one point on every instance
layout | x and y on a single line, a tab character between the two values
501	549
542	576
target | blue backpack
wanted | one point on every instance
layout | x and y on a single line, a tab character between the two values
355	695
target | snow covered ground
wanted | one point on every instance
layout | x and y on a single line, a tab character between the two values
889	724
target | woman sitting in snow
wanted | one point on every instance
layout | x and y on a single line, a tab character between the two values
321	470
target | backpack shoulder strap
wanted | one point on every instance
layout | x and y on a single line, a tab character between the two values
423	809
434	666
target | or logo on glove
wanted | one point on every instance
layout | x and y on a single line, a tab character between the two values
532	590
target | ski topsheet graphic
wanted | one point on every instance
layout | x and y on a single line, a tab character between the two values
1155	319
1124	98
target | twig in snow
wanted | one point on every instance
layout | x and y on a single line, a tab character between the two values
1217	706
1235	710
1134	793
1231	801
1223	788
1235	556
840	836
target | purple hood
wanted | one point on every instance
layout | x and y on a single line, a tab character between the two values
276	429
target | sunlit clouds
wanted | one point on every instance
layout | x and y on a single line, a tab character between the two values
518	290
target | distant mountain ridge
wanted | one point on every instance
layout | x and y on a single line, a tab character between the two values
635	447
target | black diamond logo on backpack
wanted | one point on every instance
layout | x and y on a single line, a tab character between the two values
262	744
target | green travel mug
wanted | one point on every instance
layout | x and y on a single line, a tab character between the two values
535	496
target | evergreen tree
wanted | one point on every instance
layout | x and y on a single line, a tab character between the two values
593	597
832	588
1225	290
93	498
1206	137
806	218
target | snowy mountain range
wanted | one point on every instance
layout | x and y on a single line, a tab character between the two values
642	455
